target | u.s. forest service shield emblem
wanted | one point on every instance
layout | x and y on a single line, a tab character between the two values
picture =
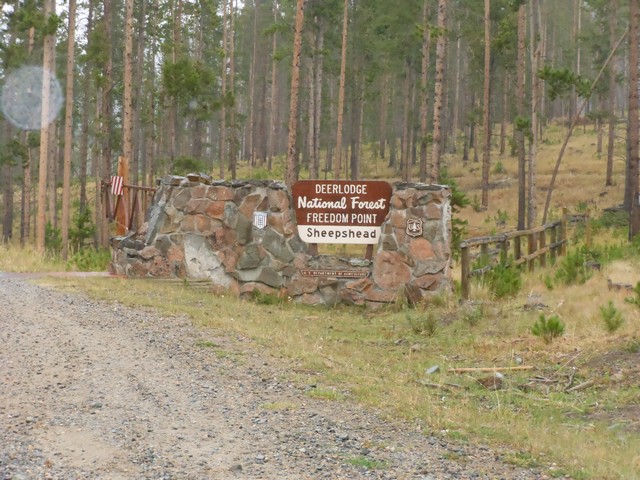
414	227
260	219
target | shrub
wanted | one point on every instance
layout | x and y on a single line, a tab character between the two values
572	269
89	260
548	329
52	240
611	316
504	281
635	300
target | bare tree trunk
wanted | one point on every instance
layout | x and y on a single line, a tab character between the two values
273	96
382	126
318	60
486	122
68	132
47	62
251	122
337	163
455	121
84	136
25	200
613	10
105	167
520	102
138	162
534	32
292	153
434	173
233	138
424	95
222	150
632	144
505	112
404	154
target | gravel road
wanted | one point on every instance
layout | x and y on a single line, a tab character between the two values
92	390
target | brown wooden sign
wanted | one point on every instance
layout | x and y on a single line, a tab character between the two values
340	211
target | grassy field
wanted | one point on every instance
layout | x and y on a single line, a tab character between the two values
571	406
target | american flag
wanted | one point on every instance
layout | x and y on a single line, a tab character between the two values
117	185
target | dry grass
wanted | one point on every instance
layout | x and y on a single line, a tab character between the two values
381	358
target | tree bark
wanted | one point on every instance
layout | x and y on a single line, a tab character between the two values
47	61
520	102
486	123
613	10
434	172
632	143
222	150
68	132
337	162
424	95
292	153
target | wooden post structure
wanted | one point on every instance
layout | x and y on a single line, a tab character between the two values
563	233
542	243
464	270
121	213
554	239
532	249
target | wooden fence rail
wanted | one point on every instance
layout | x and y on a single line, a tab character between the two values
546	242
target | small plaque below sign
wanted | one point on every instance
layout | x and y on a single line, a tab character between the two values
335	273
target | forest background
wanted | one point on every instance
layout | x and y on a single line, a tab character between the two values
301	89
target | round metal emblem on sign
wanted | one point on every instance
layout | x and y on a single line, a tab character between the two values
414	227
260	220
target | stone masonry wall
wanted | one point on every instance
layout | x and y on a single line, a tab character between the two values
199	229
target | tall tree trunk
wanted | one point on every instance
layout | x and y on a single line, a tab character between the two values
520	106
534	32
613	10
25	201
7	190
434	173
68	132
382	127
233	138
424	95
337	162
138	160
406	119
273	94
318	61
105	114
632	143
292	153
222	150
88	93
47	62
486	123
505	112
455	121
251	121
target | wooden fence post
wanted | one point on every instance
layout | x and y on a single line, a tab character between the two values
563	233
464	270
554	239
532	248
541	245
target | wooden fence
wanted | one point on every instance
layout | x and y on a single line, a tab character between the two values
544	243
127	210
